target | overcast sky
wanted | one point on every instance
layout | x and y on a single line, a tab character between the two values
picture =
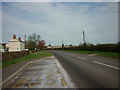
60	21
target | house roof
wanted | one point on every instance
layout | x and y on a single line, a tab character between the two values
15	40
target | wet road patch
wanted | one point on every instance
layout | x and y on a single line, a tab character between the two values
42	74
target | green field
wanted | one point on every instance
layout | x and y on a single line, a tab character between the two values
106	54
35	55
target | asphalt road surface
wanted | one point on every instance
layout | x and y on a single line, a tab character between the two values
89	70
41	73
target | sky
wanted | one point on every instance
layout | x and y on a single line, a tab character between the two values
59	0
61	21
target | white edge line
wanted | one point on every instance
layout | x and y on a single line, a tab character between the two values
106	65
65	75
81	58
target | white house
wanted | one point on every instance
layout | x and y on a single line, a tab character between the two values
15	44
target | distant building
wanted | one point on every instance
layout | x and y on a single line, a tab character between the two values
15	44
54	47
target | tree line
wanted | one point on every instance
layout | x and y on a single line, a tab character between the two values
115	47
34	42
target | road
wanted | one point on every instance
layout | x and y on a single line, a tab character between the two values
89	70
41	73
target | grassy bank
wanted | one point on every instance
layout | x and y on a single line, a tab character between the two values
35	55
106	54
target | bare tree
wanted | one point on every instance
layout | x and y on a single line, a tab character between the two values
33	41
38	38
41	44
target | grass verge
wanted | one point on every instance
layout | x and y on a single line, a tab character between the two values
106	54
35	55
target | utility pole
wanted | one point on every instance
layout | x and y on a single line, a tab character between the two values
84	38
25	41
49	44
62	45
25	38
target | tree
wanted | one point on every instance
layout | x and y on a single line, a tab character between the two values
32	41
41	44
34	37
30	45
70	45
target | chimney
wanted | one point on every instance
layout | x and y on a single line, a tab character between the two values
14	36
19	38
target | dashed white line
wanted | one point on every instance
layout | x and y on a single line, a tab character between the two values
81	58
92	55
98	62
106	65
71	55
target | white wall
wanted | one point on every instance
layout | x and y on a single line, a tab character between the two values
15	46
22	46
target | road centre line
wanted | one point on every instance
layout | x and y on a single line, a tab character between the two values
106	65
81	58
92	55
70	54
101	63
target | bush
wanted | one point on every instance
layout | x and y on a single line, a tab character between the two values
6	56
98	47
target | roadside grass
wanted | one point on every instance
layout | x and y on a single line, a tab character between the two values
39	54
106	54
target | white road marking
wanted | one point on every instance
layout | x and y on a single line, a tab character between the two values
81	58
92	55
106	65
52	57
64	76
71	55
